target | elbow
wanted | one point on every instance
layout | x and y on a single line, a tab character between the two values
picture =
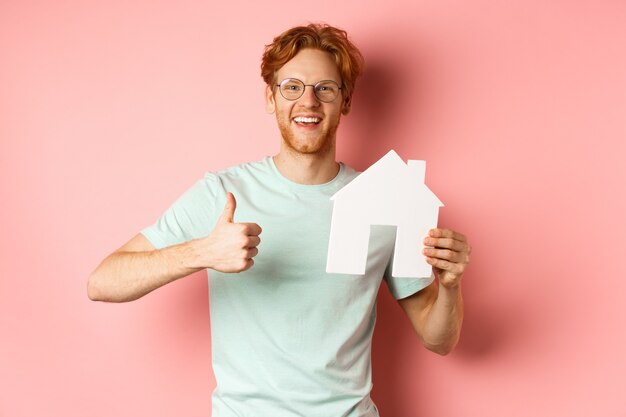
443	348
96	292
93	292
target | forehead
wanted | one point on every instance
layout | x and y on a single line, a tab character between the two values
310	65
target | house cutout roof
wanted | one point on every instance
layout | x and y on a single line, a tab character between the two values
390	192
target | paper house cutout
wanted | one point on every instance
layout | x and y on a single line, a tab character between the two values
389	192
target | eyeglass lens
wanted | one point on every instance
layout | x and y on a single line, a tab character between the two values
293	89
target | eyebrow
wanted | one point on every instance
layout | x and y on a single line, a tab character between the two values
319	81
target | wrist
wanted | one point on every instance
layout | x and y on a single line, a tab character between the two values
450	286
189	256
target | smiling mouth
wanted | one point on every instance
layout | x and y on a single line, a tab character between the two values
307	121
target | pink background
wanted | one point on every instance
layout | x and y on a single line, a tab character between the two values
110	109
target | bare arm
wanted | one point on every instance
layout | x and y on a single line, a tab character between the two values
137	268
436	312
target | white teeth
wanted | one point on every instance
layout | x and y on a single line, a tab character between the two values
306	119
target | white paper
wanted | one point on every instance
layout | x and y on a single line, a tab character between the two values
389	192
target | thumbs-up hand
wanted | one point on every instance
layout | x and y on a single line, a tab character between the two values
231	246
229	209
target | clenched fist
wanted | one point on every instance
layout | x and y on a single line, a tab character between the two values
231	246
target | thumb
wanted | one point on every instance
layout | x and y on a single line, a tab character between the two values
229	208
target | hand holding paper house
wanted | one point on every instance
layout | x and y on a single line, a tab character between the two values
389	192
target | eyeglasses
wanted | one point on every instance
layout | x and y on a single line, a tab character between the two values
292	89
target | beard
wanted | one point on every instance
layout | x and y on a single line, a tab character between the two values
321	143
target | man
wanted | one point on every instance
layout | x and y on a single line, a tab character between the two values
288	338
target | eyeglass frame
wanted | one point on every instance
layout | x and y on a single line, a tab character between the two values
309	85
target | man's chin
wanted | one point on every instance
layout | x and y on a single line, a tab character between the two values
308	146
312	147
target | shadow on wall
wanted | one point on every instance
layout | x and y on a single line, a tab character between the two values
373	112
489	330
391	108
384	104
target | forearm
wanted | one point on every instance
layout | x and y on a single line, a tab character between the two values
442	327
127	276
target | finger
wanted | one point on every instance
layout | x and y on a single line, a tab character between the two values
251	229
447	243
252	252
253	241
248	264
446	265
444	254
447	233
229	209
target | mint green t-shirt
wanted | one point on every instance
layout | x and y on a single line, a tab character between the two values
288	339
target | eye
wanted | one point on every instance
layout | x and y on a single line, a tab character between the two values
326	87
291	86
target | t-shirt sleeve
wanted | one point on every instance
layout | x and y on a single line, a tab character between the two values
191	216
403	287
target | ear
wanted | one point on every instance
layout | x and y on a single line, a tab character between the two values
270	103
346	105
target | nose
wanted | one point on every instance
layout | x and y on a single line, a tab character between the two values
308	98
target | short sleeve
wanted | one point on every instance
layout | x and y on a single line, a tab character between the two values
191	216
403	287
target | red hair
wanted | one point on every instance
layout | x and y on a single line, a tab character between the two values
317	36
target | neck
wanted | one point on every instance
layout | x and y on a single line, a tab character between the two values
308	169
